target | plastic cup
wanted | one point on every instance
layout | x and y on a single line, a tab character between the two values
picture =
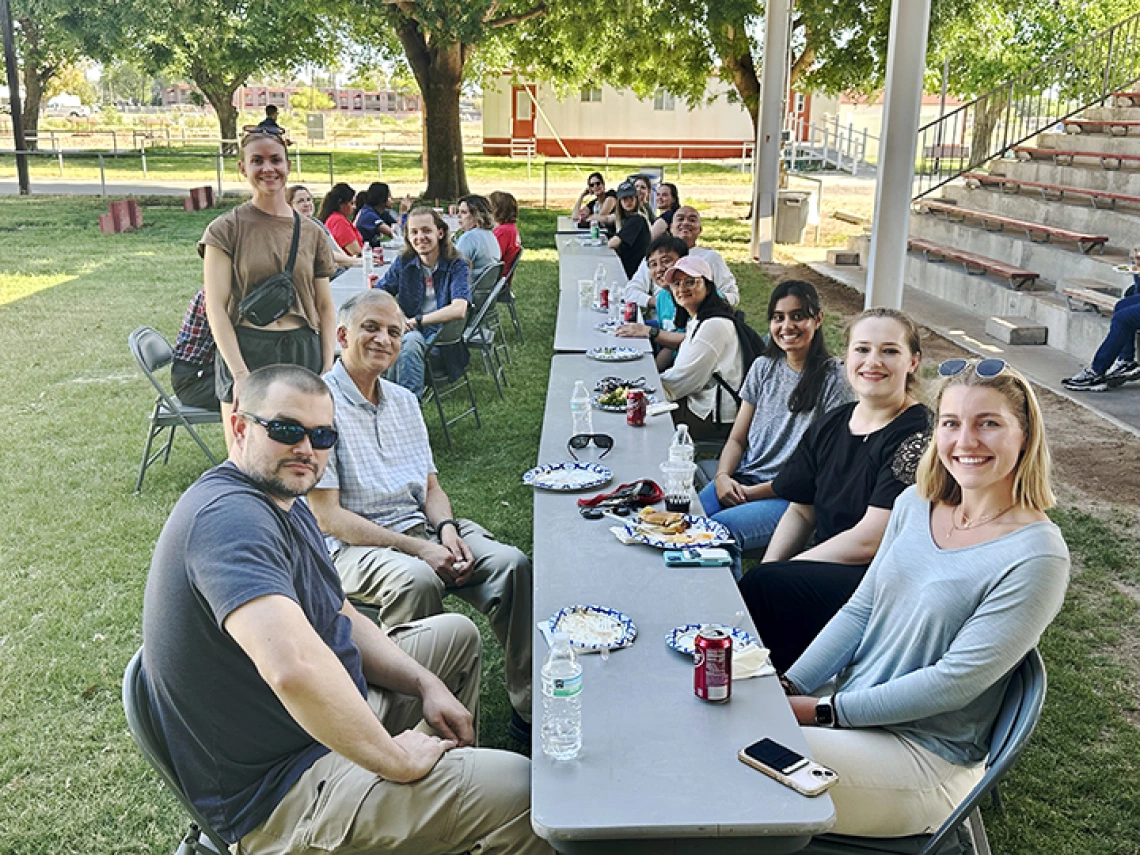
678	484
585	292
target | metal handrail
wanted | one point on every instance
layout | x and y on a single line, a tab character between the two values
1008	115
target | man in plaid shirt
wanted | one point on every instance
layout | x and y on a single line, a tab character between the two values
392	533
192	372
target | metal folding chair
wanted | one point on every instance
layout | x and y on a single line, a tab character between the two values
201	839
963	833
508	296
439	384
153	353
481	336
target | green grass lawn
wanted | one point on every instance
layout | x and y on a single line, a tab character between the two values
75	543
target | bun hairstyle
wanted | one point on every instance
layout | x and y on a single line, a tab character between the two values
912	336
805	397
1032	486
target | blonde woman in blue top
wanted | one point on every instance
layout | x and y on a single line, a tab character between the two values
969	574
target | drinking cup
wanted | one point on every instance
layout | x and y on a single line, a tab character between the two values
585	292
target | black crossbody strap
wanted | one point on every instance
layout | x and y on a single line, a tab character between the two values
296	241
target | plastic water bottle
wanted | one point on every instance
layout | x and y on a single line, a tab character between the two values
367	258
617	300
599	281
581	411
681	448
561	701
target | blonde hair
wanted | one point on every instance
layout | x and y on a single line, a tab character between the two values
1031	476
911	334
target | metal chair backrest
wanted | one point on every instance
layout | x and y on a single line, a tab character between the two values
148	738
486	305
153	353
450	333
1017	717
510	274
486	281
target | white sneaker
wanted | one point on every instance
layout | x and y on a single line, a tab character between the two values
1122	371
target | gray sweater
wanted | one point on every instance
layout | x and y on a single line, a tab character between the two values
925	645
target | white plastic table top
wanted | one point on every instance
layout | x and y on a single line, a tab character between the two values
352	281
575	330
658	770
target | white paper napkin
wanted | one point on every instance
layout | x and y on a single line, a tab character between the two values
751	661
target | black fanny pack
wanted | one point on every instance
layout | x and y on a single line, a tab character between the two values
273	297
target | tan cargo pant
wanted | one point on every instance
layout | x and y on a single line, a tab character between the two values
474	800
404	588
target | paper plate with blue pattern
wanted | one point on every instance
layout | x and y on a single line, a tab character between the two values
594	628
682	638
699	531
567	476
614	354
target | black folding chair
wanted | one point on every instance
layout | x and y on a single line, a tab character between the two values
440	386
508	296
481	336
153	353
201	839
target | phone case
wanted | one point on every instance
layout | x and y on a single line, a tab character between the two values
811	779
709	557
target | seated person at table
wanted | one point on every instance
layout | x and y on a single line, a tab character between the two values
841	483
476	240
632	238
192	371
664	252
301	201
969	574
644	185
505	210
687	227
432	283
396	545
374	219
787	390
668	201
273	694
336	214
600	209
711	348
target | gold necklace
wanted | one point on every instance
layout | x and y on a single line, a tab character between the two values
968	524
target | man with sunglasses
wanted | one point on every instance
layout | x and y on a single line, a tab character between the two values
273	693
393	535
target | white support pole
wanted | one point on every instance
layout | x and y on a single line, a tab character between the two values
769	143
906	61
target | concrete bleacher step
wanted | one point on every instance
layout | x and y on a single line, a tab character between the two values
1017	330
1085	174
843	258
1112	113
1032	228
1100	143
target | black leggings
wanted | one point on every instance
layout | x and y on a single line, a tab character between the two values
791	601
261	347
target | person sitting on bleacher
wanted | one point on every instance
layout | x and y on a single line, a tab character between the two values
396	544
969	574
1114	363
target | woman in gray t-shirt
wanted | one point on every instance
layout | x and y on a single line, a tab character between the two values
787	389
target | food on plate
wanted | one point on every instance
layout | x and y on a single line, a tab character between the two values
591	628
661	522
615	398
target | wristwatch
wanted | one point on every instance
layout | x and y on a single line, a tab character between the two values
825	713
419	322
653	331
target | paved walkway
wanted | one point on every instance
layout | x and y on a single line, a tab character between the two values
1044	365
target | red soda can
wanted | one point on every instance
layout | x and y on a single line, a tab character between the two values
629	312
712	665
635	408
378	256
604	298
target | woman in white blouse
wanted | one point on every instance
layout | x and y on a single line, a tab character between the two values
709	358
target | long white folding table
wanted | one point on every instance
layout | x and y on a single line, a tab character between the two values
658	771
575	330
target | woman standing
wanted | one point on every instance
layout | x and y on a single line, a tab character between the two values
841	484
245	247
632	239
431	282
710	349
336	214
969	575
787	390
476	241
301	201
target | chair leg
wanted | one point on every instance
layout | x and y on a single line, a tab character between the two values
205	449
490	362
145	459
439	405
515	319
978	832
169	445
471	397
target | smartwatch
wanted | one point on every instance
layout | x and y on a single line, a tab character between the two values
825	713
653	331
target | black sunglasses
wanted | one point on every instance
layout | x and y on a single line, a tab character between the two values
291	433
580	440
983	367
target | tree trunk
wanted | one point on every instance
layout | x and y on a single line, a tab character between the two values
221	98
742	71
986	118
33	96
438	68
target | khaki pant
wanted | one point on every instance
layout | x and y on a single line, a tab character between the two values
404	588
888	786
473	800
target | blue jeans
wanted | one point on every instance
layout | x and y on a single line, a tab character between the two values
751	524
1121	339
409	368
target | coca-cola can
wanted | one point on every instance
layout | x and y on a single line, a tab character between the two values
604	298
629	312
712	665
635	408
378	256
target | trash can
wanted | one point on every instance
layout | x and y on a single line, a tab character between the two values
792	210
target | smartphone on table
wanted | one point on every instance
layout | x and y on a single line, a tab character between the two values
698	557
789	768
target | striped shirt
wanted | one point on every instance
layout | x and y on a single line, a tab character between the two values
382	460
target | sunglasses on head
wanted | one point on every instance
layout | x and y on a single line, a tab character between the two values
982	367
580	440
291	433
